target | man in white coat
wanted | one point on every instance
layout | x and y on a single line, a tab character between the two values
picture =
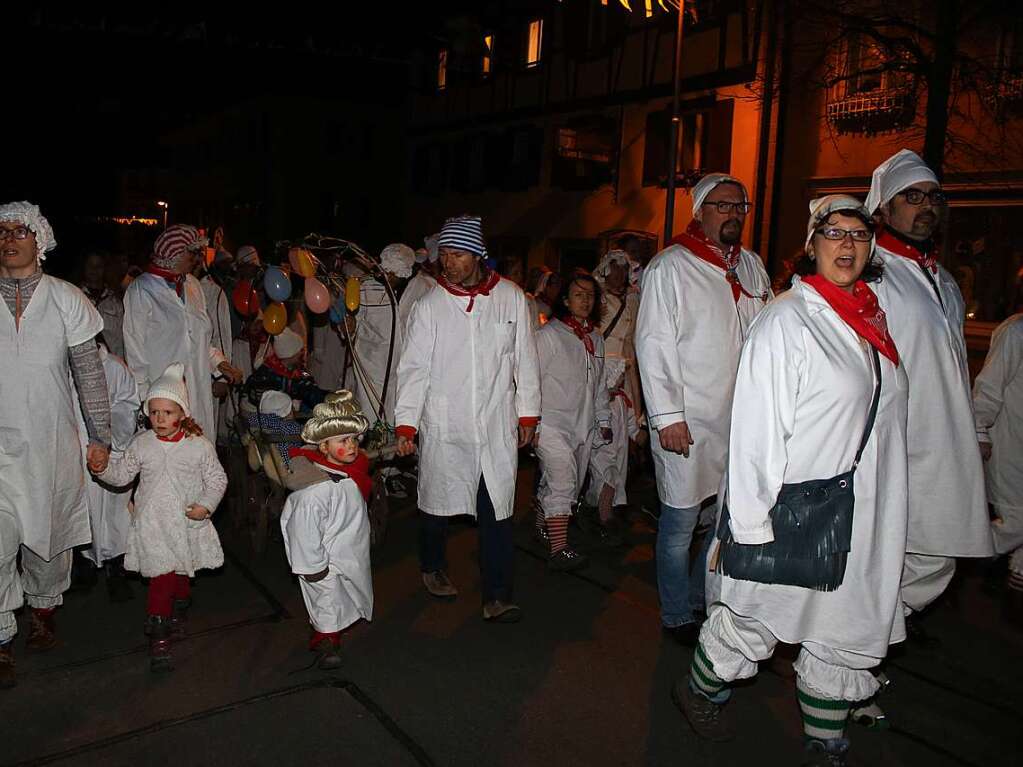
998	404
218	306
699	296
947	511
468	385
165	321
422	282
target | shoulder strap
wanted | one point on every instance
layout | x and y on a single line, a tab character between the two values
876	365
614	322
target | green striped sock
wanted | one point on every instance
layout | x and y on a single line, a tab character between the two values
822	718
702	676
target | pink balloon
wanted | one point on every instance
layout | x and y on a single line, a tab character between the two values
317	297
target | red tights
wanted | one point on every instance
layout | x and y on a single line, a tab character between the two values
164	590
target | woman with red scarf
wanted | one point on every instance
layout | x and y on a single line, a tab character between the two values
803	395
573	406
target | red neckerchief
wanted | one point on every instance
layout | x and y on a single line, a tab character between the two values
175	280
700	245
582	331
177	437
273	362
860	311
357	470
619	392
890	242
481	288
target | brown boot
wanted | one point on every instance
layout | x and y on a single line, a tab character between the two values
8	678
42	630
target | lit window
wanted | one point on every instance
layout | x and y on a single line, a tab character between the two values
442	70
488	55
533	48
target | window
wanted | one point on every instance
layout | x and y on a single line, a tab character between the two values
585	153
705	142
983	249
487	62
442	70
534	43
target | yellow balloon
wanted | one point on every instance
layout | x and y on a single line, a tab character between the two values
352	299
302	262
275	318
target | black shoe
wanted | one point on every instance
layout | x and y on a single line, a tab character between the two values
179	617
916	633
687	635
825	753
567	560
159	631
118	587
708	719
83	573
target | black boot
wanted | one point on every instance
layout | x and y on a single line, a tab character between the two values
83	573
118	588
159	644
179	618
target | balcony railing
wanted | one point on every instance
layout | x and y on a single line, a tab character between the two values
875	111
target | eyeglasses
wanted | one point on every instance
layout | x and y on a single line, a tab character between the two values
724	208
916	196
18	233
837	234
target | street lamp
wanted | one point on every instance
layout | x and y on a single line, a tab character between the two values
165	206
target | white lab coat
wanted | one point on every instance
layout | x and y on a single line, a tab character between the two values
573	405
947	510
160	328
420	284
998	405
688	336
108	506
326	526
327	361
42	476
111	309
802	398
219	311
464	381
174	475
609	461
372	342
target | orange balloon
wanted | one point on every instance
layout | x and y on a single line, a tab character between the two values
275	318
352	295
302	261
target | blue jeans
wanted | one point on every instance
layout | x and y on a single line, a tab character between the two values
680	594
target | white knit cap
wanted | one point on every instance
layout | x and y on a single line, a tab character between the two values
398	259
247	255
29	215
898	172
170	385
708	184
822	207
287	343
275	403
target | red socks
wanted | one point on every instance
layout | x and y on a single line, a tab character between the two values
333	636
557	531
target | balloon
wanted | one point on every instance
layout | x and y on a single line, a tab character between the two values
302	262
317	297
352	297
245	298
277	284
275	319
336	315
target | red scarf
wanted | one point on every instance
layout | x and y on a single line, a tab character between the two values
273	362
175	280
357	470
177	437
898	246
860	311
582	331
696	241
481	288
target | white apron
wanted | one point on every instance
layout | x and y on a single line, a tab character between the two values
947	510
464	381
802	397
688	336
326	526
42	481
160	328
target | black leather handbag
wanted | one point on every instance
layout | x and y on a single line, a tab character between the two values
812	528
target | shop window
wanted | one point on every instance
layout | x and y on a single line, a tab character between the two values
585	153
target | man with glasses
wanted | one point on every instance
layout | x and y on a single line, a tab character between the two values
947	511
698	298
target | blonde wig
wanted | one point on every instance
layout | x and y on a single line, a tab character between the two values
338	415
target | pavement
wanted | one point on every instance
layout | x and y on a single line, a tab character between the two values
584	679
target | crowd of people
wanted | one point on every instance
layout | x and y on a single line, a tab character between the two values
827	437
